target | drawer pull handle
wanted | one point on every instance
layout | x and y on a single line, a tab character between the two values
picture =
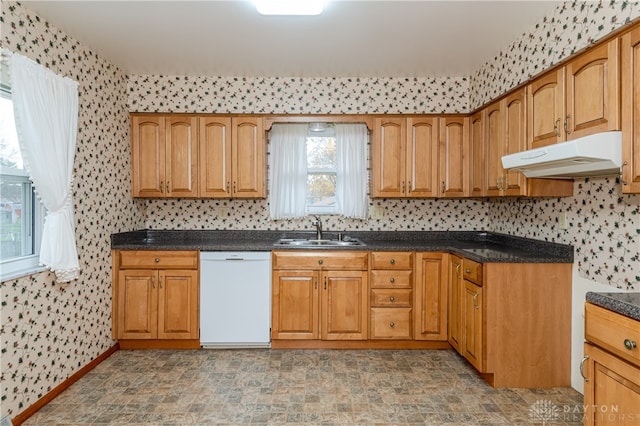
629	344
157	260
392	324
392	298
392	280
392	261
320	262
586	357
467	271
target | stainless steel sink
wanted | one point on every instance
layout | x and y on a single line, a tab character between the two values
301	242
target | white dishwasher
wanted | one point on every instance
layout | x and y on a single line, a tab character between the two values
235	299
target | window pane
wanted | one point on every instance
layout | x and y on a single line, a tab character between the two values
321	152
9	149
321	190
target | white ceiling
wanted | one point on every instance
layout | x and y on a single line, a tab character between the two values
350	39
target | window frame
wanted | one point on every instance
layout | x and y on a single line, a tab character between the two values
323	210
33	214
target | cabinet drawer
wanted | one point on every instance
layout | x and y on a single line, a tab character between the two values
391	279
158	259
383	297
472	271
613	332
320	260
391	323
391	260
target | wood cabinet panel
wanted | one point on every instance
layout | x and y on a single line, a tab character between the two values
181	156
454	303
454	157
215	157
391	323
295	310
248	155
422	157
383	278
148	155
514	183
612	331
154	259
391	260
612	389
352	260
391	298
473	327
388	157
477	164
137	300
546	109
630	64
344	305
495	145
430	305
178	305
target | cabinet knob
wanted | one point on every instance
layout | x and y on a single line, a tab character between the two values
157	260
392	261
467	271
392	280
320	262
392	298
392	324
629	344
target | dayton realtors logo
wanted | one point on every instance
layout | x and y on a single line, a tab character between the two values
544	411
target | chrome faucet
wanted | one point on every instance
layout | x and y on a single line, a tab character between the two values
318	224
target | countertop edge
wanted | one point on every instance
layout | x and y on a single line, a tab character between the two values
626	304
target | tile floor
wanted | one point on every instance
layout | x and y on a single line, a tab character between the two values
261	386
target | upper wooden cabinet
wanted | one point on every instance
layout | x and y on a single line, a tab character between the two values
579	99
477	167
404	153
164	156
178	155
454	157
630	45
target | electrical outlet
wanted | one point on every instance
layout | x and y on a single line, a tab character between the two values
376	212
562	220
223	212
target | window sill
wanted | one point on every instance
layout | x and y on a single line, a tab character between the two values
19	273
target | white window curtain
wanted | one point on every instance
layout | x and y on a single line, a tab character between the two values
288	168
46	114
351	175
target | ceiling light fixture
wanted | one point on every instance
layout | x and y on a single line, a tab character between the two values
289	7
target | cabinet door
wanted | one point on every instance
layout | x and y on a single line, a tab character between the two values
181	156
631	112
472	330
137	304
495	146
148	155
388	158
295	310
516	141
454	157
593	94
215	157
454	303
430	306
477	152
611	389
344	305
178	311
546	112
248	153
422	157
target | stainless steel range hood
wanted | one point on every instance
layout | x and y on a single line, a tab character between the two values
595	155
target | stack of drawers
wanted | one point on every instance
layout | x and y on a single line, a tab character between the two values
391	295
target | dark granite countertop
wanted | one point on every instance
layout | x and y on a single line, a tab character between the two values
486	247
627	304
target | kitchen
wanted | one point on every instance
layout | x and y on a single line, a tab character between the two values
43	323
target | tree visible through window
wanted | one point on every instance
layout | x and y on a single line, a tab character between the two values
321	174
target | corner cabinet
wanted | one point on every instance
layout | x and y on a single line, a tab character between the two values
511	322
319	295
204	156
611	368
156	299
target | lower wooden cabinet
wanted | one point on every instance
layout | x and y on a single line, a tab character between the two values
431	291
156	297
319	295
511	322
611	368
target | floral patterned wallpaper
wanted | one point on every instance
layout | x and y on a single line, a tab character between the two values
49	331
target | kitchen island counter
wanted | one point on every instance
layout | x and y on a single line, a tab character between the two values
485	247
